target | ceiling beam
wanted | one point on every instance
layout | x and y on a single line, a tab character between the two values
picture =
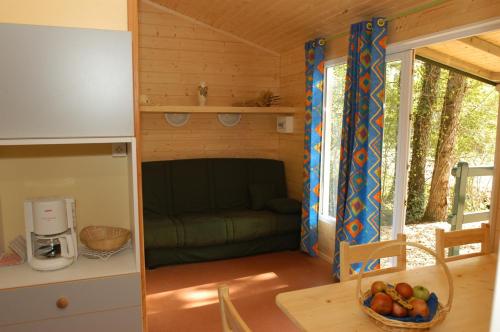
482	45
456	63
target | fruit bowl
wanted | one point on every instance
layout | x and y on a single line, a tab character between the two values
386	318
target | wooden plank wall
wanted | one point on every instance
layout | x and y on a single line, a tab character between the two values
291	146
175	54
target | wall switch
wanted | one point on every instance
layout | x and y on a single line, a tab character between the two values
284	124
119	149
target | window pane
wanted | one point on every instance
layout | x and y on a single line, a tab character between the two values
334	104
389	144
335	84
475	139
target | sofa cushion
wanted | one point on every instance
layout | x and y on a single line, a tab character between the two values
249	225
165	256
155	196
284	205
260	194
198	230
230	181
176	187
268	171
190	186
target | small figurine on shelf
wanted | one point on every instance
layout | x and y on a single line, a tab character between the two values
144	100
202	93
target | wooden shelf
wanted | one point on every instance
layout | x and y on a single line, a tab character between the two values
55	141
84	268
218	109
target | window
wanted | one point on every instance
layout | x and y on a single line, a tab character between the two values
332	126
395	147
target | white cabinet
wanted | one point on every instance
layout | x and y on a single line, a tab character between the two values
66	95
102	295
122	320
65	82
29	305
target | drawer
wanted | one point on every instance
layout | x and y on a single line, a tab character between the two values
122	320
90	295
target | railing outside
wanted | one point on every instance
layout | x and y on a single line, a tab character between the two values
458	216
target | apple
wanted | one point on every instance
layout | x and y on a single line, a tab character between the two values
420	308
404	290
382	303
398	310
378	286
420	292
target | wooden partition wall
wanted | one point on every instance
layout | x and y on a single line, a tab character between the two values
175	54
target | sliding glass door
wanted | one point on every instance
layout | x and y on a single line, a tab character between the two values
395	140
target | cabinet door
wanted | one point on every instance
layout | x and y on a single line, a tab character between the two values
26	304
65	82
122	320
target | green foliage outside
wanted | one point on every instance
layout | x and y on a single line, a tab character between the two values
476	134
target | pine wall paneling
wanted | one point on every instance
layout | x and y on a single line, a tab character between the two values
175	54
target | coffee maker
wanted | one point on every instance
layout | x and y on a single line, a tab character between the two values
50	233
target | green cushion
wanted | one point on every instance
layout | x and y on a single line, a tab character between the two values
190	186
166	256
284	205
260	194
230	183
201	230
176	187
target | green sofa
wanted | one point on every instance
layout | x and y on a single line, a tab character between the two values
207	209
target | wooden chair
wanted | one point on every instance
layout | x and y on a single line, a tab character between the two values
457	238
359	253
231	319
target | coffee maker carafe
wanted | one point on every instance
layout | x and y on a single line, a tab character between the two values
50	233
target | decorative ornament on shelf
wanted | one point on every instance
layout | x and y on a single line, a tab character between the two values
177	119
229	119
144	100
202	93
265	99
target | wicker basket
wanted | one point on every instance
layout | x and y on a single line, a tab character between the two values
104	238
393	325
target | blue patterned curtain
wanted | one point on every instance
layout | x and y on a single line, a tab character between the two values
359	191
314	52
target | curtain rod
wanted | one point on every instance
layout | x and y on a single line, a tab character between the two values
410	11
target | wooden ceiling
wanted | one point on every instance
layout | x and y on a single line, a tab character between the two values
478	55
280	25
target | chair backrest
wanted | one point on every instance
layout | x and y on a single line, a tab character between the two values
457	238
359	253
231	319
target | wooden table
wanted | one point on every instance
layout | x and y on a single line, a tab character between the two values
334	307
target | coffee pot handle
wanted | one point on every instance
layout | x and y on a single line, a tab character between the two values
67	248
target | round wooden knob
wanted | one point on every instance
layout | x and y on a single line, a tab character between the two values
62	303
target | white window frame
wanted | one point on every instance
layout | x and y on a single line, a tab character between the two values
403	144
325	153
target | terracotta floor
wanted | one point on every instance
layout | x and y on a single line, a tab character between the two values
183	298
